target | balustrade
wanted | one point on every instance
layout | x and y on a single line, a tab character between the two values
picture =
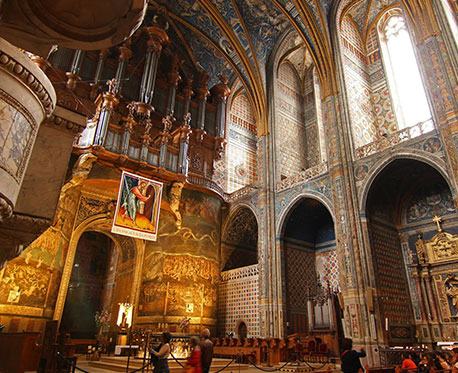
394	139
302	176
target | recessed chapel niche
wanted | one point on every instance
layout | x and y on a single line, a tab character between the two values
309	260
401	204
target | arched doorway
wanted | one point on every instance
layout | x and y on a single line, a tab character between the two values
242	331
401	204
238	290
311	269
240	240
100	280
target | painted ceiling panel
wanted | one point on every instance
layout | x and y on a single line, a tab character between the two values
376	8
264	23
358	13
207	56
230	15
193	13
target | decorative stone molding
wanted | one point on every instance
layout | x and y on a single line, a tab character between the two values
26	98
36	25
32	77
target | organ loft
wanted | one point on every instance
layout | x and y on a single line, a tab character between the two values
283	173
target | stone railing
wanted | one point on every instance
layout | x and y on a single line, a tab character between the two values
201	181
240	273
246	190
302	176
394	139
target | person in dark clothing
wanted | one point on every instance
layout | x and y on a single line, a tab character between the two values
350	358
206	346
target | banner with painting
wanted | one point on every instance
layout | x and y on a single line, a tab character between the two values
137	210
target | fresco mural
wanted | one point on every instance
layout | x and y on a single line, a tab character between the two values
181	270
33	277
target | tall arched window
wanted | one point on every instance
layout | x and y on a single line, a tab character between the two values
406	86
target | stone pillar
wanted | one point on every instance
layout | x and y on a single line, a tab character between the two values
72	75
157	38
108	104
124	56
26	98
439	77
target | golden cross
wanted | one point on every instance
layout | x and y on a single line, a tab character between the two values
438	221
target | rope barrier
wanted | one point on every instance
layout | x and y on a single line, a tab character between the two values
229	363
292	362
71	363
85	371
267	370
181	365
314	368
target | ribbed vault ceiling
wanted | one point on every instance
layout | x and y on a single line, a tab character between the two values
235	38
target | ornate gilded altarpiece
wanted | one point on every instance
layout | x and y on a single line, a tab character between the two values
438	265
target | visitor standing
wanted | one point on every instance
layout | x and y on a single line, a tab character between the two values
350	358
162	365
407	362
194	360
207	351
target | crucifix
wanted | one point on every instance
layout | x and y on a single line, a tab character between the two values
438	221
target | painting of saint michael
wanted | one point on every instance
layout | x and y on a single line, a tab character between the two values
138	206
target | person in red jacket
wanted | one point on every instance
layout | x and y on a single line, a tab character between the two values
407	363
193	365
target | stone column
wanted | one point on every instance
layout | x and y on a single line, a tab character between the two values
108	104
26	98
439	77
157	38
